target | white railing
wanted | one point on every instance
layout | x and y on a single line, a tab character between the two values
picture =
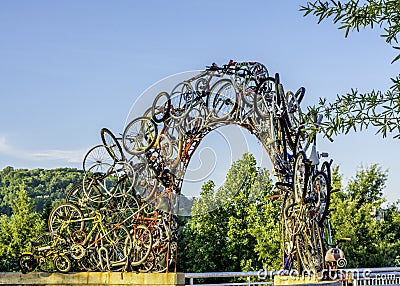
355	277
374	276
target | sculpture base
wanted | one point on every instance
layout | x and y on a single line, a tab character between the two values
92	278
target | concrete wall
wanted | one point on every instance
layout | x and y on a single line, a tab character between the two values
92	278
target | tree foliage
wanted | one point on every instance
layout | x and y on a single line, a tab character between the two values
234	228
356	111
18	229
359	214
43	186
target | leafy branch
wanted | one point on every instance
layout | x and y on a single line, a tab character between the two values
357	111
351	16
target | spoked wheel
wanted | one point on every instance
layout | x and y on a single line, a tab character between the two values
310	247
76	196
320	196
119	247
142	244
66	218
62	263
98	160
102	188
139	136
293	109
300	177
161	107
145	180
289	231
148	265
112	145
221	102
193	122
265	100
181	100
250	93
27	263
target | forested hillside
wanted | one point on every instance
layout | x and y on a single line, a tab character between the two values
43	186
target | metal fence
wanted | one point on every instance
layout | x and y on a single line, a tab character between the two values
354	277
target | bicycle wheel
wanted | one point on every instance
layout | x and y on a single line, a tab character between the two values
139	136
250	91
310	248
89	261
98	160
160	258
166	146
326	168
62	263
66	218
302	140
193	122
119	247
142	244
320	194
300	177
181	100
265	100
293	110
27	263
112	145
222	100
76	196
101	189
148	264
46	244
161	107
145	181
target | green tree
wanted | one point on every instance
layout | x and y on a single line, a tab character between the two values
44	186
234	228
357	111
359	214
17	230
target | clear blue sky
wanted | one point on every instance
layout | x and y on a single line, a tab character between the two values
69	68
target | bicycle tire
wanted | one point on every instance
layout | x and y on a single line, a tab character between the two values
119	248
310	249
148	264
222	101
101	189
326	168
60	214
142	245
62	263
300	177
145	182
265	100
302	141
160	109
139	135
27	263
44	247
181	100
321	188
293	110
249	92
98	160
114	148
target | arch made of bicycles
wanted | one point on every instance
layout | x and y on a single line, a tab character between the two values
123	215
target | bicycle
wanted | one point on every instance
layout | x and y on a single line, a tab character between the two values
103	248
46	255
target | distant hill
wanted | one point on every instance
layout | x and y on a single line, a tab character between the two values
45	187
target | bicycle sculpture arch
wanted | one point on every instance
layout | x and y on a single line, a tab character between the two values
123	215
